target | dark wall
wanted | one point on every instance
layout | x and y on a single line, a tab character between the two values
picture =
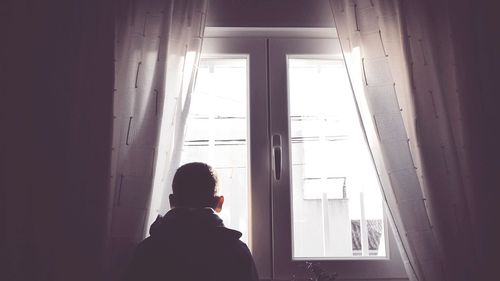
481	36
56	123
266	13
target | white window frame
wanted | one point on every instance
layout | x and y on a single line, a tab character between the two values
254	50
270	215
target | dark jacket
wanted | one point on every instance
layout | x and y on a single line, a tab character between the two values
191	245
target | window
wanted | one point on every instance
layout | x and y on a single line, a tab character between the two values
216	133
334	183
277	120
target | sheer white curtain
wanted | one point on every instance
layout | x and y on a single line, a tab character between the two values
173	127
406	93
158	43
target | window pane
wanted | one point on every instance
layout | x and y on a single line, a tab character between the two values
335	185
216	133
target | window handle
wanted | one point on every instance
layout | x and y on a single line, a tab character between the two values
277	156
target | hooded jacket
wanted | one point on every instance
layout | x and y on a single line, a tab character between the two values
191	245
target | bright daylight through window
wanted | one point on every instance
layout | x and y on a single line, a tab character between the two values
216	133
337	205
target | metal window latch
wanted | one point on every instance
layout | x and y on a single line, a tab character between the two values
277	156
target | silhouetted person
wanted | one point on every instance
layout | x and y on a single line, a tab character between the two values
190	242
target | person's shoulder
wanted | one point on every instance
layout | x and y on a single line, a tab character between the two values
227	233
144	246
231	238
237	257
244	251
150	245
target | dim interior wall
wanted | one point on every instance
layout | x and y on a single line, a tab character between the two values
265	13
56	115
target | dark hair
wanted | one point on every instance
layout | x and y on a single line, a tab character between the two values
194	185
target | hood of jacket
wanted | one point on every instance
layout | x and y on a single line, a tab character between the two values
191	221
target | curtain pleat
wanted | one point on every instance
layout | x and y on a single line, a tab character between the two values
396	80
156	53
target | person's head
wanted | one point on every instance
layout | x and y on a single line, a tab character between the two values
195	186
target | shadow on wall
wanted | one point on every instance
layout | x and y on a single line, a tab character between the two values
57	92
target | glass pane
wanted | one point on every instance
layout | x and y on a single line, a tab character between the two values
216	133
335	185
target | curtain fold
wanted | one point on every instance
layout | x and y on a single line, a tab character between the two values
403	92
157	48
